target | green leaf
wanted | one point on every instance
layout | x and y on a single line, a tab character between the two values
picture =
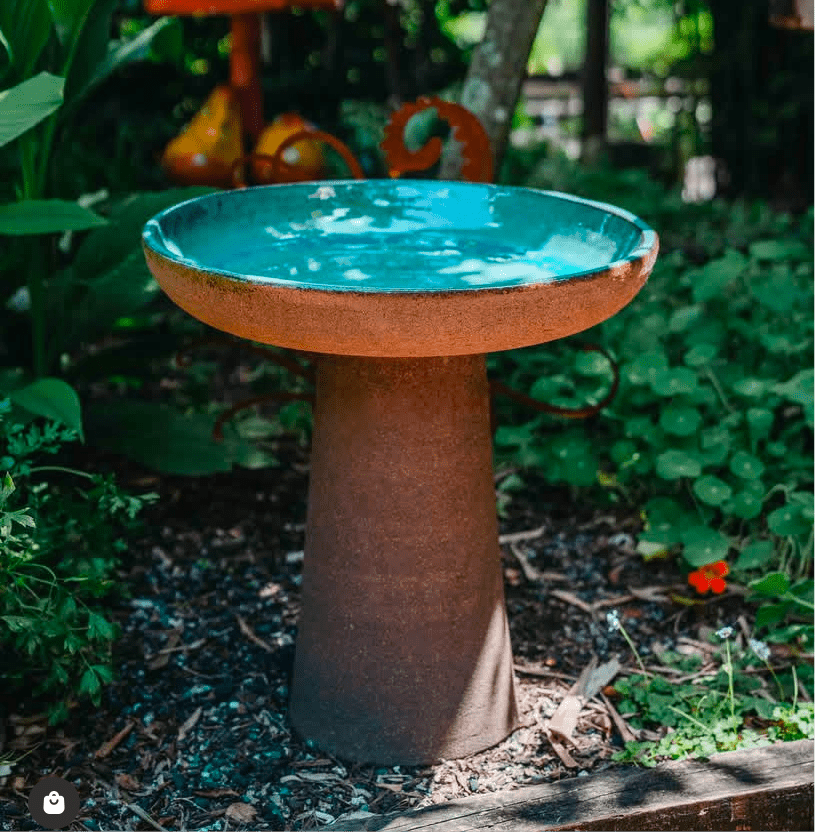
715	445
672	465
67	16
703	545
715	276
751	387
122	290
162	438
779	291
780	250
774	584
769	614
685	317
700	355
711	490
799	388
746	466
105	248
46	216
673	381
25	25
27	104
755	555
680	420
644	368
747	504
125	52
53	399
89	683
89	49
787	521
760	422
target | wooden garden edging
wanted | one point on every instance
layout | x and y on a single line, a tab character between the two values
761	788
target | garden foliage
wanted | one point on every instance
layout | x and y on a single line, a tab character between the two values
60	538
710	434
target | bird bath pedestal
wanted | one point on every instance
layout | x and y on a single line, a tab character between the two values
401	288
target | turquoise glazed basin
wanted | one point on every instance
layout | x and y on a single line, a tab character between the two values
398	268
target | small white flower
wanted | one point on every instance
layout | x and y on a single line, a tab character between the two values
760	649
724	633
613	619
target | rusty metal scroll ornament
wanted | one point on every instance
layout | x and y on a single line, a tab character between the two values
466	130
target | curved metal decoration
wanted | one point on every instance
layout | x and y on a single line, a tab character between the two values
466	129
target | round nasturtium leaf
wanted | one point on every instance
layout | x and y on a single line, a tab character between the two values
704	545
680	420
715	444
645	367
700	354
672	465
712	490
745	504
750	387
684	317
674	381
787	520
760	421
754	555
746	466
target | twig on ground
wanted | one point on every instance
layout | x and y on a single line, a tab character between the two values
521	537
104	750
247	631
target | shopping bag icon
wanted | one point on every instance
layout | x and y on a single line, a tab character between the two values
53	803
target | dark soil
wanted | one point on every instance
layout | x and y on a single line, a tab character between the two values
194	733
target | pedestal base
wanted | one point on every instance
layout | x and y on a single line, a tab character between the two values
403	653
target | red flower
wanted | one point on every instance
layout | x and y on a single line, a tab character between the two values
709	577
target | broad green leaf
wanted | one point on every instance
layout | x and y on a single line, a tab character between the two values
46	216
711	490
122	290
779	291
672	465
53	399
760	422
799	388
89	49
776	583
748	502
714	276
591	364
780	250
703	545
769	614
163	439
680	420
715	445
26	105
750	387
787	520
67	16
755	555
645	367
674	381
122	53
106	248
700	354
25	25
746	466
665	519
684	317
804	502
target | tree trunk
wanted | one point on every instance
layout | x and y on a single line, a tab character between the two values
595	84
492	85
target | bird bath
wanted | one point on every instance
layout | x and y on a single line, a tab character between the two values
401	288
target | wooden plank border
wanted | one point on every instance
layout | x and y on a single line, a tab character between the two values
762	788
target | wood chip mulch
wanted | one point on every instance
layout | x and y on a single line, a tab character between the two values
193	735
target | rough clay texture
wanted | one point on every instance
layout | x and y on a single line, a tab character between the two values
403	651
401	324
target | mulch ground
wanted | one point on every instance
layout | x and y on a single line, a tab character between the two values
194	733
